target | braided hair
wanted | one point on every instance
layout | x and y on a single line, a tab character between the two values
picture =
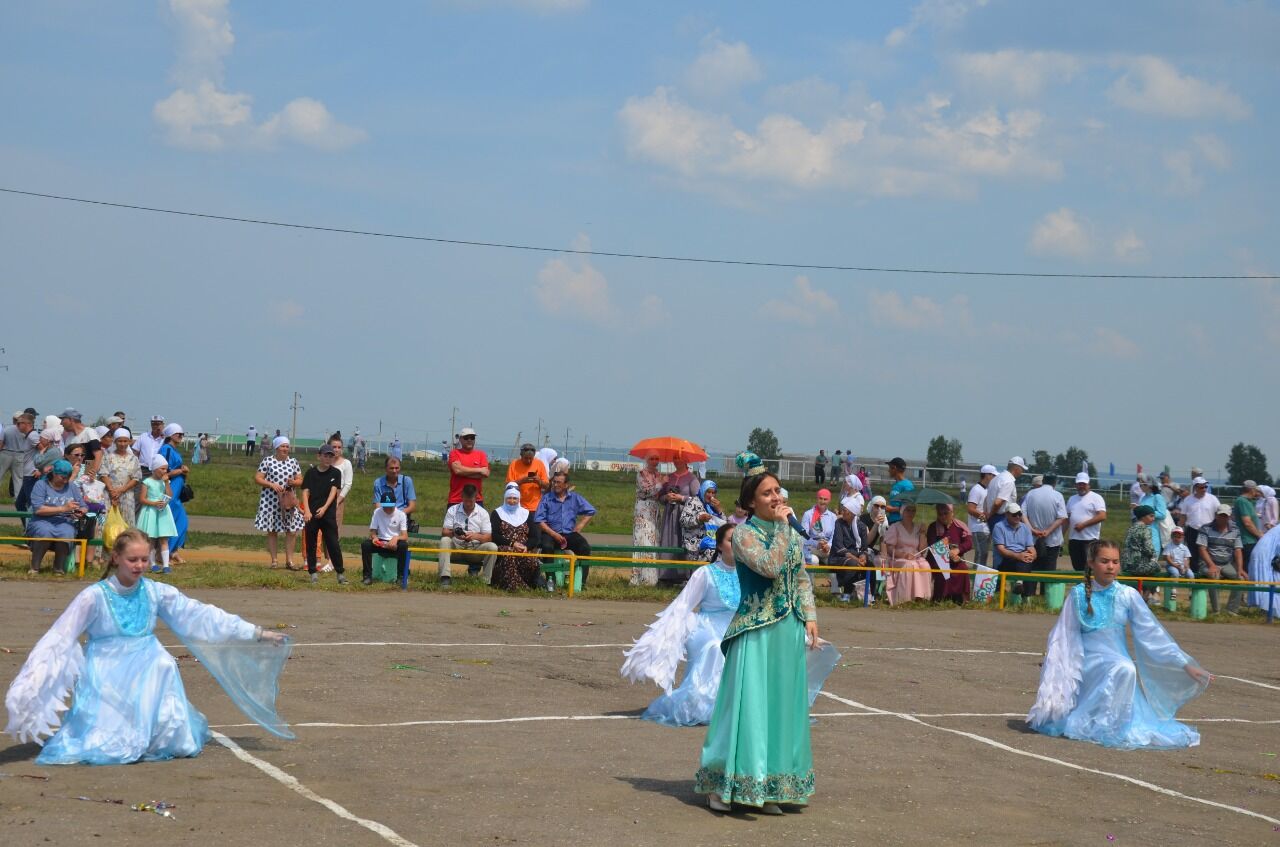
1095	547
721	531
132	535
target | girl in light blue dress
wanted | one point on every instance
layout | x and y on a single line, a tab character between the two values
128	702
1090	687
155	519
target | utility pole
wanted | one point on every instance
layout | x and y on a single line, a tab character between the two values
453	425
566	442
582	457
538	440
293	431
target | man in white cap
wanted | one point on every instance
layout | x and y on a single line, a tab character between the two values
1015	547
977	517
1136	491
1219	556
1002	491
1198	509
148	444
467	465
1086	510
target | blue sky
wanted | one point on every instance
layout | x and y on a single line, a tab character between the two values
1091	137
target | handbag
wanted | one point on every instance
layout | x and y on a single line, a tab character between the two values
187	494
288	500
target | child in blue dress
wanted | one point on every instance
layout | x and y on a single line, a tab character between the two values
1090	687
128	701
155	519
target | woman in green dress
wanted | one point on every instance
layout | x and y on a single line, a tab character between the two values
757	747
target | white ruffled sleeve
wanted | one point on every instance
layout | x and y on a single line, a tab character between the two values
38	696
1063	668
657	653
192	620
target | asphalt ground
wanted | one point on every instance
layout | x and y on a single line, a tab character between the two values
425	718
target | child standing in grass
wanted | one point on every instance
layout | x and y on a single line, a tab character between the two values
155	520
1092	690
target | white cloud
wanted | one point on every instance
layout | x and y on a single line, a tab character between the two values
1152	85
1062	233
1111	343
665	130
932	14
1214	150
920	313
1185	174
1019	72
721	68
914	150
573	288
1128	246
806	305
200	115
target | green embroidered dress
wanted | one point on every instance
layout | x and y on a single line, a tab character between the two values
757	746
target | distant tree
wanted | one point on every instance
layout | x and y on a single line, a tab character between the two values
1247	462
764	444
943	453
1068	463
1041	461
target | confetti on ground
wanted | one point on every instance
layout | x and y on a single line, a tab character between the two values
96	800
504	614
159	807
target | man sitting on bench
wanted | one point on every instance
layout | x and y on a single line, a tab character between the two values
562	515
388	535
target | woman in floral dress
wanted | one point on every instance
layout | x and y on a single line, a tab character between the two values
511	523
644	532
122	472
276	474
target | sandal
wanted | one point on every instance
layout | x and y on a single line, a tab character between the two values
290	566
274	564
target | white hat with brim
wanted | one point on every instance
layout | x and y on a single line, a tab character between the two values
1082	477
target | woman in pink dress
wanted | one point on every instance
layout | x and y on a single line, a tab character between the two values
903	548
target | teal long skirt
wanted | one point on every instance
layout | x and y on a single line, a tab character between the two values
757	747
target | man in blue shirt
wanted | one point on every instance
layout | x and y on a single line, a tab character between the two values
562	515
401	487
1013	543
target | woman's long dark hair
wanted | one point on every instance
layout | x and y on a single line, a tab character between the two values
721	531
747	494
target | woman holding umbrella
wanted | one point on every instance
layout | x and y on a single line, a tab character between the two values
678	488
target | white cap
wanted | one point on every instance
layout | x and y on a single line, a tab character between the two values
1017	460
988	469
1082	477
1224	509
465	431
1199	481
1012	509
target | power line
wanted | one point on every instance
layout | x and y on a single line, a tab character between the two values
498	245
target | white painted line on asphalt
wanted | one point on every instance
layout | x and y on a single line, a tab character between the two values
947	650
550	718
387	833
991	742
1249	682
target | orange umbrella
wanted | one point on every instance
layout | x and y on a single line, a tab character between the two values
669	448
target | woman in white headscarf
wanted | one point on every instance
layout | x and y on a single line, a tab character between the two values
122	472
278	511
1268	508
511	524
